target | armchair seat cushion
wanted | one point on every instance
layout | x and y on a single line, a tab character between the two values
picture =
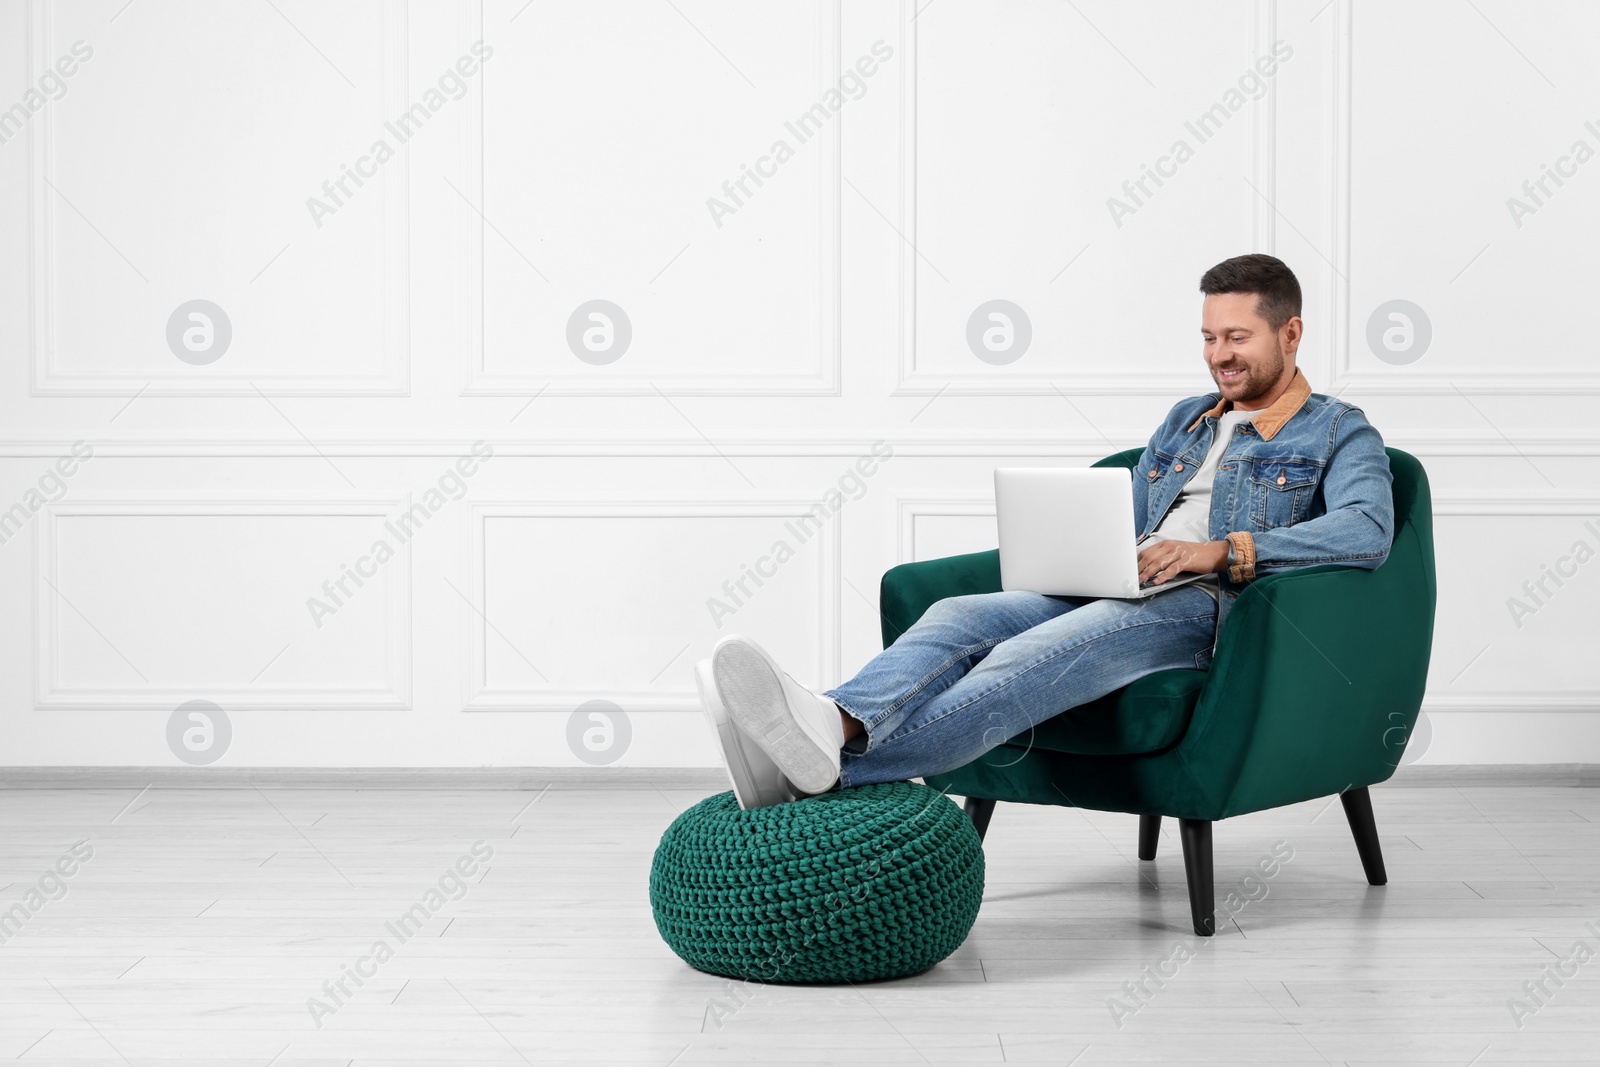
1148	715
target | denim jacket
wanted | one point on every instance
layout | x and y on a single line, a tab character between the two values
1307	481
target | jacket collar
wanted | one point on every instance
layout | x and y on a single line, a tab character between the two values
1269	421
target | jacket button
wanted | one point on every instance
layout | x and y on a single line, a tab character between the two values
1177	466
1281	479
1152	473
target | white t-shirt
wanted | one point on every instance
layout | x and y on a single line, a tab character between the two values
1189	518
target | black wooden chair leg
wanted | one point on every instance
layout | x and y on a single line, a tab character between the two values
979	811
1196	837
1149	836
1358	809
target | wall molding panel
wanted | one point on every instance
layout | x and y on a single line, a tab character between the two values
477	230
678	697
48	207
912	380
1530	380
51	607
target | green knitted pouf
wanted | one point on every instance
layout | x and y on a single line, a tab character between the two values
876	881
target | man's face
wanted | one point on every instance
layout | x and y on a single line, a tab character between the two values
1245	355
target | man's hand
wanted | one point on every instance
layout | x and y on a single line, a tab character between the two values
1167	559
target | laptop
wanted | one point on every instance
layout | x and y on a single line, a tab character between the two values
1069	531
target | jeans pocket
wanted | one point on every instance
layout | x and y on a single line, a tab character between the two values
1202	659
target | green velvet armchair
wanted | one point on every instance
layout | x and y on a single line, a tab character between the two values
1314	687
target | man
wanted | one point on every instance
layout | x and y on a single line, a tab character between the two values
1259	477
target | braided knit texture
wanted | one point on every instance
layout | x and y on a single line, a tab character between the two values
871	882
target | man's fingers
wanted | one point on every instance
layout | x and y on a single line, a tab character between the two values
1156	569
1150	566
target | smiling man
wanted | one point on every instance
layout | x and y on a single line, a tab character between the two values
1259	477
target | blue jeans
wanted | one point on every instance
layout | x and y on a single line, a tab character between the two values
977	670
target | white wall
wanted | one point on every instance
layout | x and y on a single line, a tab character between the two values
375	340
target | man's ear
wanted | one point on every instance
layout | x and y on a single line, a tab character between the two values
1291	333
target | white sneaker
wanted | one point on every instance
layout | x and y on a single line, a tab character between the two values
756	780
799	729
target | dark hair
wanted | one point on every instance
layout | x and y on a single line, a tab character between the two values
1266	276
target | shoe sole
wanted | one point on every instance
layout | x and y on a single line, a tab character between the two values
733	761
754	699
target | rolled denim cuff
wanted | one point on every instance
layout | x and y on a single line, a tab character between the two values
1241	556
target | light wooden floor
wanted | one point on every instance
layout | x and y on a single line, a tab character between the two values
206	918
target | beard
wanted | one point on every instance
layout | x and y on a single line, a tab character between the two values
1258	381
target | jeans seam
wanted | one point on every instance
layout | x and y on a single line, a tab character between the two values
931	675
1312	561
1031	666
866	725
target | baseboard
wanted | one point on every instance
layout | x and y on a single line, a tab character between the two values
1577	775
709	779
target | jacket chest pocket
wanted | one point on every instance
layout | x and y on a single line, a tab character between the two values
1158	469
1281	491
1164	477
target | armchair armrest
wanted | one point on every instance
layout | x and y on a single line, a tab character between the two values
1314	671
